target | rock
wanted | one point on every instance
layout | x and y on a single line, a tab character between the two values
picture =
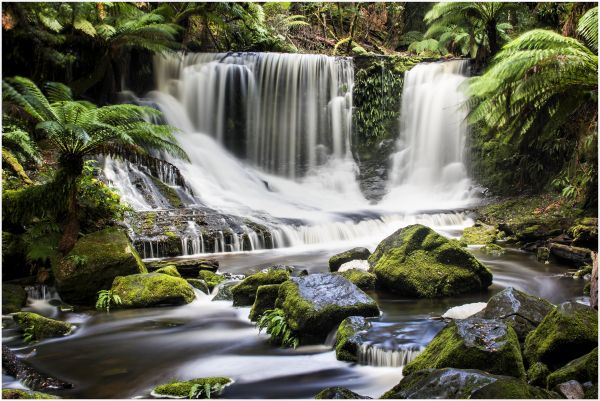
16	394
464	311
355	265
493	250
336	261
473	343
152	289
452	383
41	327
537	374
347	341
479	234
14	298
210	278
26	374
567	332
416	261
244	293
536	229
591	391
184	388
522	311
576	256
170	270
339	393
362	279
571	390
93	264
317	303
543	254
585	233
266	295
199	285
594	282
582	369
187	267
224	291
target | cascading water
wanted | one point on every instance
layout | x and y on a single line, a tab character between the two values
375	355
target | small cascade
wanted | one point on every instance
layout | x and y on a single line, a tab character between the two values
377	355
41	292
192	242
43	300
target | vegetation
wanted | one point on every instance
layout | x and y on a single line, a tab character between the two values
106	298
274	322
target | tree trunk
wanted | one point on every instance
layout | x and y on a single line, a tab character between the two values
352	28
492	38
71	226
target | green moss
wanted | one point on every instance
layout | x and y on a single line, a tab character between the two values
492	250
336	261
345	348
149	221
169	193
362	279
537	374
171	234
183	389
479	235
170	270
14	298
244	293
16	394
266	295
511	389
583	271
41	327
211	279
582	369
152	289
199	284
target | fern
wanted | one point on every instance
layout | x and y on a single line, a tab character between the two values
274	322
106	298
29	334
198	390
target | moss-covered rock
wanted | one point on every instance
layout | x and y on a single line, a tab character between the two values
522	311
585	233
339	393
493	250
582	369
16	394
152	289
452	383
14	298
244	293
473	343
92	265
568	332
266	295
210	278
537	374
184	389
199	284
317	303
416	261
362	279
347	340
187	267
571	254
479	234
41	327
170	270
352	254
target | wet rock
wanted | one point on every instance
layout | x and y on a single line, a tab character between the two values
536	229
317	303
41	327
92	265
211	279
473	343
479	234
16	394
199	284
452	383
575	255
170	270
537	374
187	267
244	293
464	311
522	311
582	369
571	390
493	250
362	279
347	340
543	254
224	291
266	295
585	233
416	261
195	388
152	289
569	331
19	369
336	261
14	298
339	393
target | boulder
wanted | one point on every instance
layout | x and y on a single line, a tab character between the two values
536	229
362	279
152	289
572	254
184	389
244	293
266	295
537	374
493	250
17	394
522	311
569	331
336	261
416	261
170	270
585	233
571	390
339	393
582	369
187	267
453	383
542	254
14	298
473	343
41	327
92	265
347	341
479	234
317	303
199	285
224	291
210	278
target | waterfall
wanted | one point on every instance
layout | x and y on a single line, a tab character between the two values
375	355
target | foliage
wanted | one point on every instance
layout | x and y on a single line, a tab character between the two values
106	298
207	389
29	334
273	321
427	47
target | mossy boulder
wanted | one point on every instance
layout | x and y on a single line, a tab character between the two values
479	234
493	250
199	285
362	279
339	393
152	289
317	303
568	332
224	291
14	298
17	394
582	369
571	254
522	311
453	383
473	343
537	374
336	261
244	293
92	265
187	267
170	270
585	233
266	295
416	261
210	278
347	339
182	389
41	327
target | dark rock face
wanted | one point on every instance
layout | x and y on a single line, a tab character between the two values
14	298
585	233
336	261
473	343
187	267
572	254
339	393
582	369
22	371
347	340
462	383
522	311
224	292
317	303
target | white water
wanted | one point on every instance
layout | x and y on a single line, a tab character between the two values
375	355
464	311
